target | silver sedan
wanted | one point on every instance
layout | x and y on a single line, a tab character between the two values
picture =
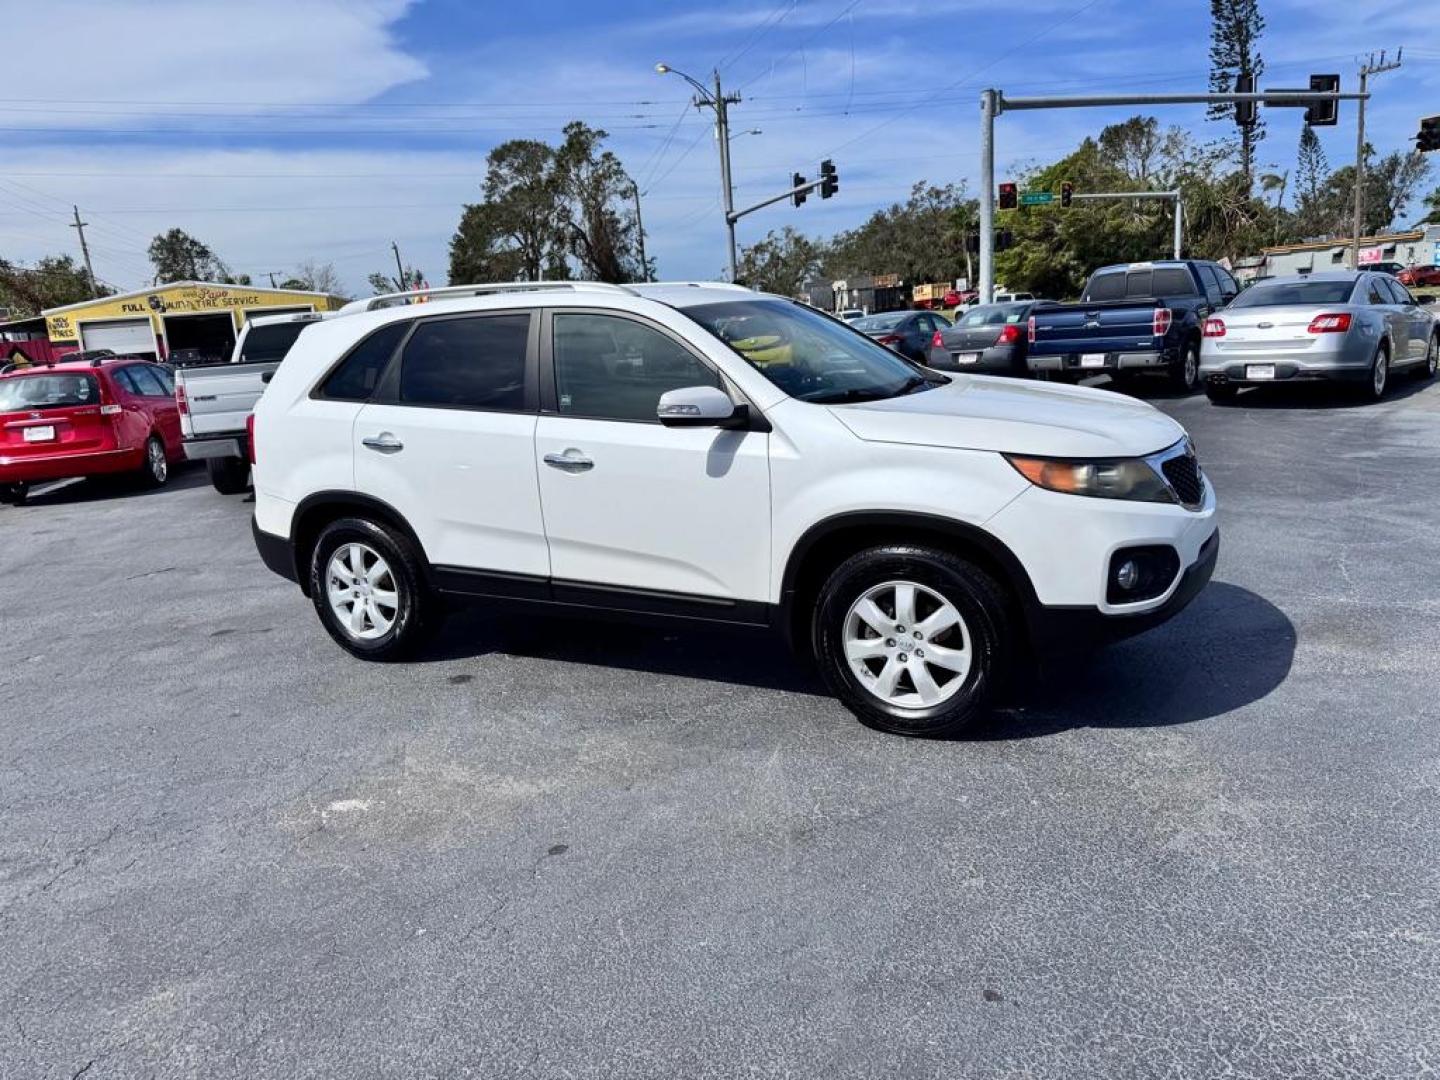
1341	325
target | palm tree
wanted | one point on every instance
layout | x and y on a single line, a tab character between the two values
1275	182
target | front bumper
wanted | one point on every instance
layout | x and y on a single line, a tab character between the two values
1055	630
33	469
1070	364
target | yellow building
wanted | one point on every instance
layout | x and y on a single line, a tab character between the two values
183	315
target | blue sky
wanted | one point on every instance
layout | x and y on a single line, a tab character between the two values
324	129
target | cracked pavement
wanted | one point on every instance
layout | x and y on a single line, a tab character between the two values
545	850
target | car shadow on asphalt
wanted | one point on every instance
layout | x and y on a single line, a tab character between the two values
1231	647
104	488
1308	395
1228	649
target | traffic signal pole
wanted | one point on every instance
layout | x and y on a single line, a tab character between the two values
993	103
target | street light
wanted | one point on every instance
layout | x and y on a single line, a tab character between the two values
747	131
719	102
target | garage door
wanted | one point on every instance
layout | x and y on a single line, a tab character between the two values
123	336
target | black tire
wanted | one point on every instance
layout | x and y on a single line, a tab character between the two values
229	476
981	603
1185	372
1222	394
416	611
1426	371
155	470
1374	387
15	494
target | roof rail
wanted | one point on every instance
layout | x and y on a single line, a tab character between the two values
399	299
699	285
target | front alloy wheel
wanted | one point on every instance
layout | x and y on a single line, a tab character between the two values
1432	360
914	640
157	467
907	644
1379	375
368	587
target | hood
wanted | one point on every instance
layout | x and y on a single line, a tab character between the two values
974	412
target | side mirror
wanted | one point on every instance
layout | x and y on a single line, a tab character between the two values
699	406
266	377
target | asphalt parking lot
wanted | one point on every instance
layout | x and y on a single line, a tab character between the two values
230	850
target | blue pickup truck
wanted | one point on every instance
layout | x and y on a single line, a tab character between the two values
1131	319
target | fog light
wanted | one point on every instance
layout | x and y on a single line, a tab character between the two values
1128	576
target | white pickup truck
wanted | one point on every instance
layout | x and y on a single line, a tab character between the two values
215	399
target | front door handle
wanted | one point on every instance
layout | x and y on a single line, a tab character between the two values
384	443
571	461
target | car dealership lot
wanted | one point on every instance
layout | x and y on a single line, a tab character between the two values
558	849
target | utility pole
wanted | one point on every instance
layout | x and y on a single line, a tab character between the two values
79	227
987	195
399	269
272	278
717	100
640	228
1370	67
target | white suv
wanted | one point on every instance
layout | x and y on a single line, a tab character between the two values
705	454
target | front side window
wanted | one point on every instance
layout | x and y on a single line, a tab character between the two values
807	355
611	368
356	377
889	321
477	362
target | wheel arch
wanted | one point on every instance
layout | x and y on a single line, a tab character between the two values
826	544
321	508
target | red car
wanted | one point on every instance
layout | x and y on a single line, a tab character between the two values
1419	275
102	416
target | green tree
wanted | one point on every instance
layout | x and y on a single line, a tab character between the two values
481	249
1235	30
599	218
381	284
1391	183
522	183
921	239
1432	204
781	263
1311	172
178	256
54	281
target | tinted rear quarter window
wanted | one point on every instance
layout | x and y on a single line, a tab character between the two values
266	343
470	363
356	377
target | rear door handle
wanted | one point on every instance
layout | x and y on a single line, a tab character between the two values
571	461
384	443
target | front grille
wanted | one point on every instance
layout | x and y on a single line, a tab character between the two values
1182	472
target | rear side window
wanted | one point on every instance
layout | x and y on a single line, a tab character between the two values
266	343
145	379
470	363
358	373
1172	281
47	392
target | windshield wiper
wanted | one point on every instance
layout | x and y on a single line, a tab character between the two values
909	386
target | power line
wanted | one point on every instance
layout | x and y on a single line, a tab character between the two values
776	17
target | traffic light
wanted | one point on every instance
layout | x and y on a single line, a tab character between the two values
1323	113
1245	111
795	181
829	179
1004	240
972	243
1009	198
1429	137
1067	189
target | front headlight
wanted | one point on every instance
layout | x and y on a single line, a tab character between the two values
1127	478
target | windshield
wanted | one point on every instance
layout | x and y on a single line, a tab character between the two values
806	354
1299	293
880	322
270	342
22	392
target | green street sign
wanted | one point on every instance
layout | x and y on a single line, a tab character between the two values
1036	198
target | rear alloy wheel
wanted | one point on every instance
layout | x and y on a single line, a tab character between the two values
913	640
229	476
1185	375
1374	386
367	588
156	470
